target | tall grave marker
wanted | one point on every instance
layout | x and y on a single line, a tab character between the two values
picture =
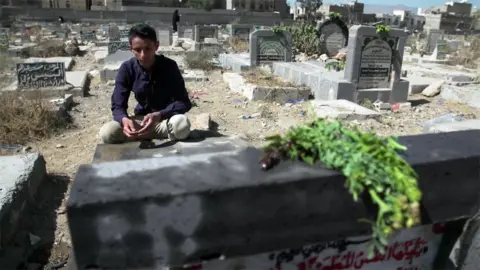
186	31
114	46
4	39
241	31
165	35
267	46
205	31
333	36
41	74
374	64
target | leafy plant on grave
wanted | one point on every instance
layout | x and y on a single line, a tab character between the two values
335	65
371	165
335	16
304	37
382	29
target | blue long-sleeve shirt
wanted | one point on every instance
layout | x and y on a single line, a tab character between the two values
162	91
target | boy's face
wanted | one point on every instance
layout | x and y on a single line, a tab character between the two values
144	50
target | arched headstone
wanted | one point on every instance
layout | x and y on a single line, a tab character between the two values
333	35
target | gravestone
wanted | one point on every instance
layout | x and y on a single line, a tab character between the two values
4	39
267	46
114	46
333	36
205	31
124	33
432	37
165	36
441	49
40	74
241	31
88	35
113	32
374	64
186	31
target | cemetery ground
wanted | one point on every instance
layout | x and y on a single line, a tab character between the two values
230	114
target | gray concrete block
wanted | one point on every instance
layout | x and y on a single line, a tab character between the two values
186	209
79	81
467	94
21	177
342	109
164	148
281	94
236	62
456	126
418	84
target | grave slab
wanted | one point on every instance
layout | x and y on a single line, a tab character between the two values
466	94
342	109
22	175
281	94
77	84
68	61
456	126
418	83
112	64
185	209
191	75
79	80
237	62
165	148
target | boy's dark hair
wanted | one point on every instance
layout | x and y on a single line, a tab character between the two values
143	31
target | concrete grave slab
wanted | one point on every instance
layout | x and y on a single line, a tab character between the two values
418	84
281	94
456	126
467	94
68	61
21	177
194	75
165	148
342	109
79	81
237	62
112	64
123	214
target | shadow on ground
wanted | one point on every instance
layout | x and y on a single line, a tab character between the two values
33	243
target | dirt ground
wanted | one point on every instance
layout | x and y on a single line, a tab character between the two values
233	115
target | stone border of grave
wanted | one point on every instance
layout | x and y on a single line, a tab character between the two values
282	94
149	212
340	23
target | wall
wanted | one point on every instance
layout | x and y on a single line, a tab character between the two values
190	16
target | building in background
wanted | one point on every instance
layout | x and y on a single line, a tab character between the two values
452	18
258	5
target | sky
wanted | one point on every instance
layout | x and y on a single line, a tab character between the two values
410	3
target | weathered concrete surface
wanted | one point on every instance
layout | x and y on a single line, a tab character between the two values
79	80
179	209
342	109
164	148
282	94
68	61
467	94
418	84
21	177
456	126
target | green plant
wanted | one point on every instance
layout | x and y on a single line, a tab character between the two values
335	65
383	29
304	37
371	165
335	15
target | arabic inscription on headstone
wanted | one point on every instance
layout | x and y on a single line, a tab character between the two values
4	39
114	46
41	74
271	49
332	39
375	63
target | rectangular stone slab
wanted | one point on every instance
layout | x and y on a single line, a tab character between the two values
163	148
181	209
